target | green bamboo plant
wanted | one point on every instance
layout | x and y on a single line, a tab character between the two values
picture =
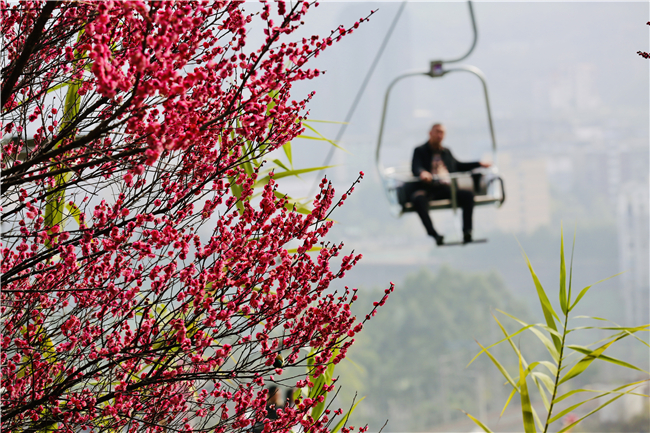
256	160
325	379
567	361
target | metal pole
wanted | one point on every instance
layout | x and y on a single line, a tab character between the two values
474	41
383	115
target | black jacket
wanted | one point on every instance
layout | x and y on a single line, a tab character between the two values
423	156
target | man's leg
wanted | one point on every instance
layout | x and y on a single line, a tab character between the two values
420	202
465	200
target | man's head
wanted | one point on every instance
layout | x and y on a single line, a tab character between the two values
436	135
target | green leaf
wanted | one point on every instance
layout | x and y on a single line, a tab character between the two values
614	391
563	296
74	211
499	366
573	248
565	428
545	379
287	151
478	423
512	393
237	191
507	338
536	418
552	368
273	94
526	408
343	420
542	393
265	179
280	164
586	361
606	358
320	137
547	343
248	167
547	308
584	291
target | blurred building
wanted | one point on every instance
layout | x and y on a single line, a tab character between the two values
528	205
632	221
574	88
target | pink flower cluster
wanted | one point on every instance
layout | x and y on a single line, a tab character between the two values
145	285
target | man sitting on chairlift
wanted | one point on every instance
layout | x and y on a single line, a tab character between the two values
432	164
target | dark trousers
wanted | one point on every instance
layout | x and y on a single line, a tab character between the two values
424	192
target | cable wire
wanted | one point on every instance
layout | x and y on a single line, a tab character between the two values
357	98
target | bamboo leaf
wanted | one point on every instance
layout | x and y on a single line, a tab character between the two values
478	423
552	368
537	419
542	393
545	379
237	191
563	295
280	164
286	147
57	87
248	167
547	343
547	308
586	289
74	212
500	367
613	391
573	248
507	338
320	137
565	428
343	420
512	393
606	358
273	94
312	249
265	179
585	362
526	407
512	345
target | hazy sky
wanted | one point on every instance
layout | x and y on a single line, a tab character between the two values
526	50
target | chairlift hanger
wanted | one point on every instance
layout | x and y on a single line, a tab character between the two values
483	181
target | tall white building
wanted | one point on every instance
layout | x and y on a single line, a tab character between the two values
634	259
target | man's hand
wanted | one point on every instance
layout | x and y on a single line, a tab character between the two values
485	164
425	176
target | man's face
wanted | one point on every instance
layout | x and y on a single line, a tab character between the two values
437	134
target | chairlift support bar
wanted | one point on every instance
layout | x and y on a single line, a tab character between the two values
474	39
436	70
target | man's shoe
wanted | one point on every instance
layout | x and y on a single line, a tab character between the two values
467	238
440	240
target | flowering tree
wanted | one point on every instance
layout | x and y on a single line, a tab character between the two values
143	286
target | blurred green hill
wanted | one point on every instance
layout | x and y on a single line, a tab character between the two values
410	359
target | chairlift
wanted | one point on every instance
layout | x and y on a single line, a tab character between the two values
398	181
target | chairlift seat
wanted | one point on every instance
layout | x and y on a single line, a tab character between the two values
446	203
487	187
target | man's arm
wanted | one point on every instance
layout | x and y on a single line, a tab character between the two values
418	166
466	166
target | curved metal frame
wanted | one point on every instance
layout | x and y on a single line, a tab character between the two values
474	40
436	71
